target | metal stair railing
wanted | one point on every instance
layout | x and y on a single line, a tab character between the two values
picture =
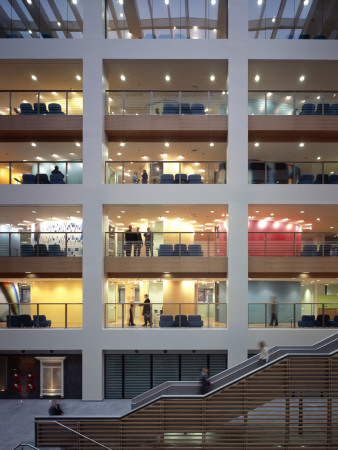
326	346
23	445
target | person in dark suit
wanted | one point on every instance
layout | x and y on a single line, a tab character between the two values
144	177
56	171
55	409
128	240
146	313
204	380
148	240
138	243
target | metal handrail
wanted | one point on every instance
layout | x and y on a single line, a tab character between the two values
26	445
314	311
82	435
226	378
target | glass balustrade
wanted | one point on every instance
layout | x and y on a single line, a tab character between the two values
293	315
41	172
167	244
167	315
41	244
41	315
293	172
167	103
287	103
293	244
165	172
49	103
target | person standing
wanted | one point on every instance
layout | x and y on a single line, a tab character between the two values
144	177
274	318
264	354
135	178
148	240
146	311
56	171
205	381
128	240
138	243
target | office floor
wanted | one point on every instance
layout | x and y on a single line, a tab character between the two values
17	417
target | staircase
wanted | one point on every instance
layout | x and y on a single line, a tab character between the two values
291	402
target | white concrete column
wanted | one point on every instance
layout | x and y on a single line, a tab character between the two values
92	370
93	19
237	179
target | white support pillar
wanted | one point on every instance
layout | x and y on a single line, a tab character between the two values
237	180
94	292
93	19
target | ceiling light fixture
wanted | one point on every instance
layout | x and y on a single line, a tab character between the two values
78	144
302	78
34	77
78	77
301	144
59	24
33	144
212	77
212	144
123	78
167	78
256	144
257	78
318	157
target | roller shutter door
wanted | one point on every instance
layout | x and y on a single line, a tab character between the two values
136	375
217	363
165	368
113	376
191	366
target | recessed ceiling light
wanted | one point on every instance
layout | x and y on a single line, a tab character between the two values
74	2
59	24
34	77
302	212
257	78
122	212
302	78
166	144
167	212
331	227
167	78
211	144
271	214
212	77
119	154
54	155
122	144
212	212
301	144
256	211
273	19
259	2
30	31
306	2
78	144
38	157
256	144
144	157
181	157
33	144
78	77
123	78
164	155
34	212
318	218
318	157
29	2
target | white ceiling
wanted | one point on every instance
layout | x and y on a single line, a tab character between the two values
328	215
51	74
18	151
291	151
284	75
17	214
134	213
192	151
150	75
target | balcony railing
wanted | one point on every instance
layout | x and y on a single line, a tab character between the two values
166	172
167	103
212	315
40	172
288	103
31	244
293	172
41	315
288	315
293	244
167	244
41	102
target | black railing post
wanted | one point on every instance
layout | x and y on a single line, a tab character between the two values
266	315
294	315
10	173
66	243
66	314
37	315
10	243
122	314
67	99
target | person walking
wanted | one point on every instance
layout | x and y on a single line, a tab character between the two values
205	381
274	318
264	353
131	315
144	177
54	409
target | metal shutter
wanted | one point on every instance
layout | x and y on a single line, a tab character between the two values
136	375
165	368
113	376
191	366
217	363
